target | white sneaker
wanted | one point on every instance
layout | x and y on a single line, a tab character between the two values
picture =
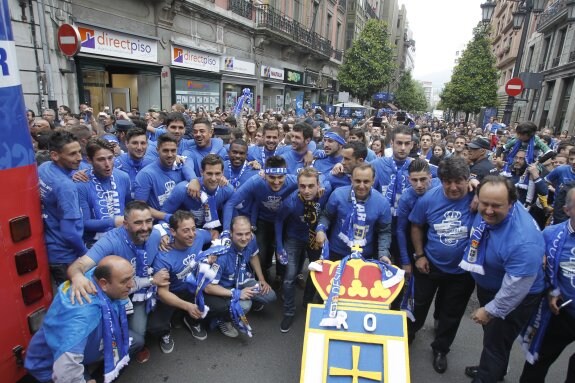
228	329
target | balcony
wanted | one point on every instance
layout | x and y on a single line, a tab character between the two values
270	19
555	62
243	8
551	15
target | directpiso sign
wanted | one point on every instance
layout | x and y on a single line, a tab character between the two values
109	43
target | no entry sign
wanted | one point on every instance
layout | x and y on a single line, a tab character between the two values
514	87
68	39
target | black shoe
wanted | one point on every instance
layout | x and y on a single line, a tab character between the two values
439	362
472	371
286	323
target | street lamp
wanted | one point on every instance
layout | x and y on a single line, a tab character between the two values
521	19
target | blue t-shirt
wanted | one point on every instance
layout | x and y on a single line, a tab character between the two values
513	247
566	267
294	161
238	176
339	206
60	201
131	166
260	154
154	184
179	262
408	199
339	180
325	165
235	266
258	194
183	145
290	218
560	175
195	154
114	242
101	203
448	224
179	199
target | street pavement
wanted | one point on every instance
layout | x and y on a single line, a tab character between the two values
273	357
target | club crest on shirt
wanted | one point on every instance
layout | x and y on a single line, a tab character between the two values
450	230
273	203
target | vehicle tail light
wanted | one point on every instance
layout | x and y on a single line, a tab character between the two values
26	261
20	228
32	291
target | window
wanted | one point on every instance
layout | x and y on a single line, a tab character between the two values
337	35
328	28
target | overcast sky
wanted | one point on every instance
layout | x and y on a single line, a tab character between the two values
440	28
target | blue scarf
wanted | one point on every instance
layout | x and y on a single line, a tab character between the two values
408	300
354	229
474	254
105	199
396	185
531	337
143	270
115	335
235	181
211	218
390	276
236	312
529	156
317	266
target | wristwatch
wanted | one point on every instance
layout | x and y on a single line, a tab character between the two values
151	279
417	256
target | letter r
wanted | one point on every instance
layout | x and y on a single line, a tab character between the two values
3	63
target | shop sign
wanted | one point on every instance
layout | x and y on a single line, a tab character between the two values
272	73
193	59
312	79
293	77
232	64
110	43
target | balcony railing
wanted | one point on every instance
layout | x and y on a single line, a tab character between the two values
343	4
370	12
551	14
555	62
338	55
241	7
571	56
269	18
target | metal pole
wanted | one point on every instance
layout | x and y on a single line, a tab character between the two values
510	100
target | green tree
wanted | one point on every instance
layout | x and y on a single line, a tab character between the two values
473	83
410	95
367	65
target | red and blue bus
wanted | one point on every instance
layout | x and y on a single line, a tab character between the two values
25	288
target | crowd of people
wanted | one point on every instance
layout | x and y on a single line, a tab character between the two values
194	219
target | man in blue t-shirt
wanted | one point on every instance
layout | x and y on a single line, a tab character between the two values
333	143
104	196
301	135
560	291
236	272
134	160
352	155
205	144
180	261
356	215
562	174
139	244
299	216
237	169
445	213
63	223
509	277
271	138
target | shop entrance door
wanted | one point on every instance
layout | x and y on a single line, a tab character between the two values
119	98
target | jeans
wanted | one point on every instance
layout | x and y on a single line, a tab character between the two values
560	333
454	289
296	250
499	335
137	323
266	239
159	320
220	306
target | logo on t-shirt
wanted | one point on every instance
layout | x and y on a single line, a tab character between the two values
450	230
273	203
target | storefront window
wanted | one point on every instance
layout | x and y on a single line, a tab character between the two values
231	94
195	93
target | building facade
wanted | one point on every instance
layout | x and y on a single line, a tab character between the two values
202	53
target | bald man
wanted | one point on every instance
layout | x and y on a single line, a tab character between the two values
74	339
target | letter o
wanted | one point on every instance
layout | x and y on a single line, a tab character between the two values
369	323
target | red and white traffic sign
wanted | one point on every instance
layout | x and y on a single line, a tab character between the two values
514	87
68	39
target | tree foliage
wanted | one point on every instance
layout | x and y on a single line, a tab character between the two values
368	64
410	95
474	80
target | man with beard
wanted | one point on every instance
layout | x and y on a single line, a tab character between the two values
301	136
237	170
135	159
271	138
204	144
332	146
353	154
136	242
299	215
